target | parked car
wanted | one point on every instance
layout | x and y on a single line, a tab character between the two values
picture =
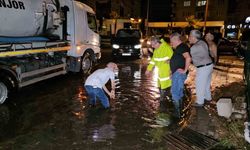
126	43
230	47
226	47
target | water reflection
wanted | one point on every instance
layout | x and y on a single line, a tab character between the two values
105	132
60	113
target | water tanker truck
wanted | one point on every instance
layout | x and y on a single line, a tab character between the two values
41	39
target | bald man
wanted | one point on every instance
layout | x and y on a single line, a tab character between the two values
95	85
179	64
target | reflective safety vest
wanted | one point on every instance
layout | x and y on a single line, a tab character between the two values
160	59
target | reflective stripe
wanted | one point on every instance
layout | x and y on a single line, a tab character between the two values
161	59
164	79
151	62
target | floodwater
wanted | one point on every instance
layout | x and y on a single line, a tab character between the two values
54	114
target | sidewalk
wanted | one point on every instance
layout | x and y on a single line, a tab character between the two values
227	81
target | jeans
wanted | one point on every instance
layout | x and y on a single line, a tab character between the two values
99	93
177	87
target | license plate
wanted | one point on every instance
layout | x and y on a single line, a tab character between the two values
126	54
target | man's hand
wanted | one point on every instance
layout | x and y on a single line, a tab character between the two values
181	71
112	94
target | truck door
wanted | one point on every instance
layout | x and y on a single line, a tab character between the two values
92	30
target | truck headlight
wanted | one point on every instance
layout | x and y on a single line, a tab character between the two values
138	46
115	46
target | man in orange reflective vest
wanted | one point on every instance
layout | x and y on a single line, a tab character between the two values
160	60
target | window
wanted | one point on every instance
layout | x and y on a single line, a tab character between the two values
201	3
187	3
127	33
92	22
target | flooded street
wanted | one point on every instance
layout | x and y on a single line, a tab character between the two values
54	114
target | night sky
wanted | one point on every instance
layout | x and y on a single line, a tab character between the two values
159	10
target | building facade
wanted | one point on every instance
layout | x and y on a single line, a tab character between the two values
216	10
115	14
231	12
236	23
123	8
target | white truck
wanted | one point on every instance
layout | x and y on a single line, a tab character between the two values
41	39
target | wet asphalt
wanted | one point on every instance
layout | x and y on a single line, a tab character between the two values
54	114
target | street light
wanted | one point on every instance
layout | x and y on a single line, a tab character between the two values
147	17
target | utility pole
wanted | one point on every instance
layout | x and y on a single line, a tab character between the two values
205	20
147	17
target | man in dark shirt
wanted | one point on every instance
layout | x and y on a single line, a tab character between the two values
179	64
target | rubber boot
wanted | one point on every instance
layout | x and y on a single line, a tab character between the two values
163	103
177	110
163	94
163	106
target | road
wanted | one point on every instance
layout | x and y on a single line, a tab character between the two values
53	114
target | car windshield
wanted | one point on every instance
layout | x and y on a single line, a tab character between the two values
128	33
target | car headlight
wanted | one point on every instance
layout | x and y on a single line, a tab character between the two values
137	46
115	46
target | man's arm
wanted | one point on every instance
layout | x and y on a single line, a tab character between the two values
213	50
150	65
113	85
106	90
113	89
187	57
111	93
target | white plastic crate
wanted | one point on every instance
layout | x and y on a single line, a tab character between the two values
224	107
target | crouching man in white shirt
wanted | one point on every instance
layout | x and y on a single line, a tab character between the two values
95	85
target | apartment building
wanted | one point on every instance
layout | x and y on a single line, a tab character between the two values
229	15
217	9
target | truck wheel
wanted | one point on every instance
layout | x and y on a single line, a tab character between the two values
86	63
3	92
7	87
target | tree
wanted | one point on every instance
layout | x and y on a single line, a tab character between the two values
193	23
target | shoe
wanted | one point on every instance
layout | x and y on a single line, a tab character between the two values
197	105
